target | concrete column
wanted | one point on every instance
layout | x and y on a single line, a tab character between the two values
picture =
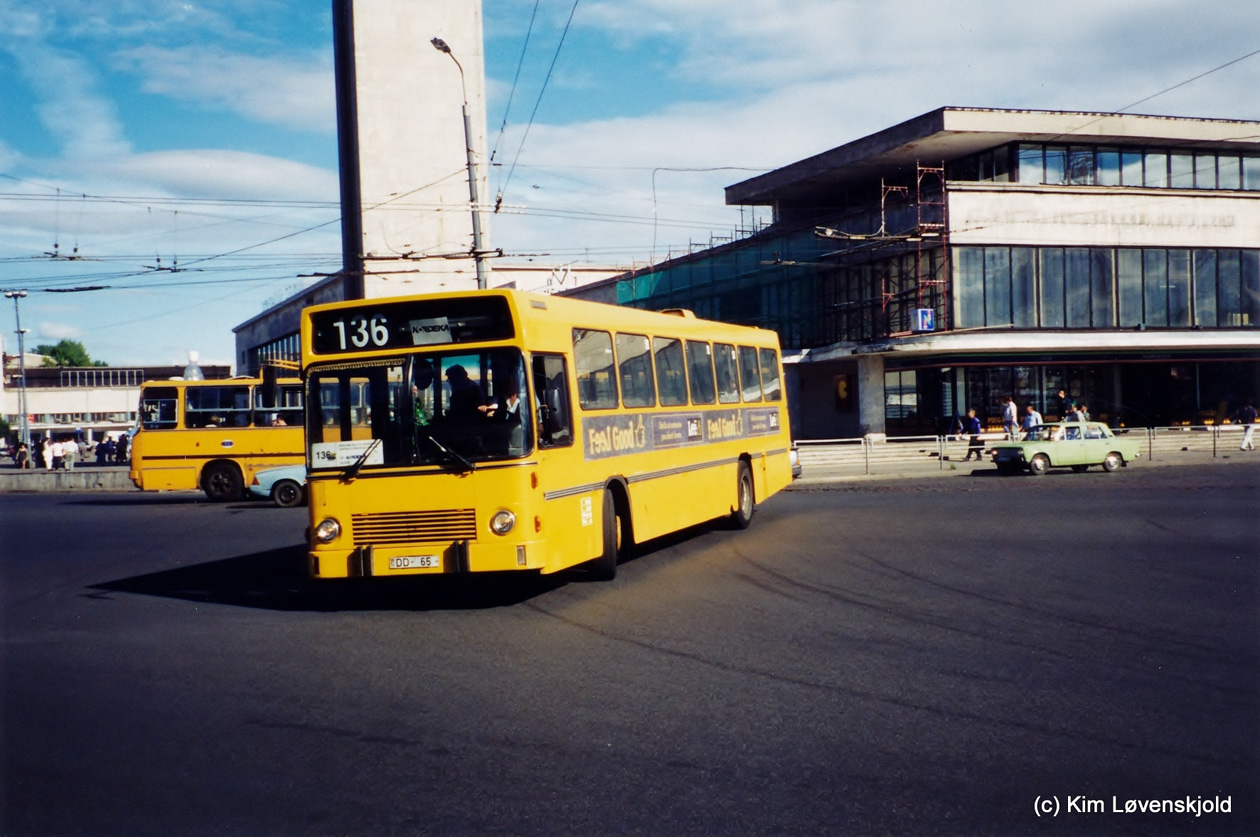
871	394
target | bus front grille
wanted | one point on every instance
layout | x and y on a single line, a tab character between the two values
387	528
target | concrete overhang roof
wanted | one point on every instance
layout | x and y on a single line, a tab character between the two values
1007	342
950	133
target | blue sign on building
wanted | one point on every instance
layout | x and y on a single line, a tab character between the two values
924	319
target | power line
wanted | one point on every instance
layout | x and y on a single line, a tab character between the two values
520	62
1189	80
534	113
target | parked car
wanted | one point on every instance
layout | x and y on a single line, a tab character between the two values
1070	444
286	487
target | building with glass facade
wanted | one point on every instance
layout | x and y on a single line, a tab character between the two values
968	255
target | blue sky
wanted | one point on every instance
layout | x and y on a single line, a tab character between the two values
140	136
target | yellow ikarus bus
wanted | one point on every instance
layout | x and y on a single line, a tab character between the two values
497	430
215	435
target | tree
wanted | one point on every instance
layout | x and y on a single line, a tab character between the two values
66	353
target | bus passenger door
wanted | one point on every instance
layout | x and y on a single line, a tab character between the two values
554	414
571	525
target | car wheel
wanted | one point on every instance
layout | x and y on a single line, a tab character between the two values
222	482
1112	462
286	494
745	498
1039	465
1080	469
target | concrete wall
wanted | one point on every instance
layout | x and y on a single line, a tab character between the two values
412	152
1064	216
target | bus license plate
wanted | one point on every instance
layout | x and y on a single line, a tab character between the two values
415	562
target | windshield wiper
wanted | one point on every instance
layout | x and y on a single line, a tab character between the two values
459	460
352	471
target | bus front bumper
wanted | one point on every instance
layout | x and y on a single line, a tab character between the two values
424	559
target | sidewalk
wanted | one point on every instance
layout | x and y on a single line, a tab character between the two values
83	477
916	468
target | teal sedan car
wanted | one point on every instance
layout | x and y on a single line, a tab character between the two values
1067	444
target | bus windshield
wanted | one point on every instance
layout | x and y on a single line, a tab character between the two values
452	409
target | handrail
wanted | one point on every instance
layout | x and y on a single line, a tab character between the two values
870	452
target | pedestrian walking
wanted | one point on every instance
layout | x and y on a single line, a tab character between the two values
971	426
1032	418
1010	419
1247	417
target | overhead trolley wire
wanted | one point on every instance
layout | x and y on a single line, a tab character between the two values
520	62
554	58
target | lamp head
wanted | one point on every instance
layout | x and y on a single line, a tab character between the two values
441	45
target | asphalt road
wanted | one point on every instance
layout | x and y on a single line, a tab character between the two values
937	656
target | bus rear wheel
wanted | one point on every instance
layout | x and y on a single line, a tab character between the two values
222	482
745	498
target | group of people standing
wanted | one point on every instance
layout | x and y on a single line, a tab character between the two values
1013	423
62	454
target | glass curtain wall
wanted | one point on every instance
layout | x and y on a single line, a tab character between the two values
1105	287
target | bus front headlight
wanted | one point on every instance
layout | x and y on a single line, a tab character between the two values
502	522
328	530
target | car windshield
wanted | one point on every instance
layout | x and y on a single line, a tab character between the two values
450	409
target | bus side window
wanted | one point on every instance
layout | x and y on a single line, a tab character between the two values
551	387
770	375
727	373
157	408
596	378
277	405
700	372
671	377
634	361
749	375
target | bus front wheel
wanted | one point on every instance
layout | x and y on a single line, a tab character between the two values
745	498
222	482
604	568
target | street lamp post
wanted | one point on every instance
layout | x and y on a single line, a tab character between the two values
478	248
21	333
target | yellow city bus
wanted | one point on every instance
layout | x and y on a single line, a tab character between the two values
215	435
498	430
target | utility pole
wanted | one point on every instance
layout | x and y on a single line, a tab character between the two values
21	333
478	247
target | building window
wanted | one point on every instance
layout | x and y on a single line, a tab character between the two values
1155	287
1205	288
1051	287
1105	287
1107	167
901	395
1129	287
1039	164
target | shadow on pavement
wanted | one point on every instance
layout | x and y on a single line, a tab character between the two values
276	580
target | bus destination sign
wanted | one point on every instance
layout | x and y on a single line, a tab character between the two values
409	323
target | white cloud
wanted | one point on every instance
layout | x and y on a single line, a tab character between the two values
799	78
227	175
70	107
296	92
53	331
